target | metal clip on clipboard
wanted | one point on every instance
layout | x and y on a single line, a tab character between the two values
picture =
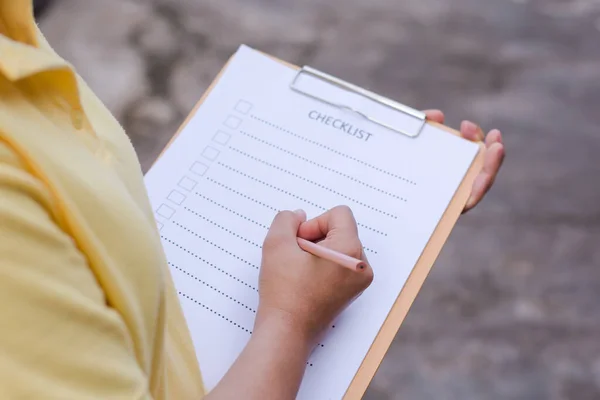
391	104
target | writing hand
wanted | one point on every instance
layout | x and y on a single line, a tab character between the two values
306	289
299	297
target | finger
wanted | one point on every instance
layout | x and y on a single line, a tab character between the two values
494	136
337	219
285	226
301	214
471	131
435	116
494	156
482	182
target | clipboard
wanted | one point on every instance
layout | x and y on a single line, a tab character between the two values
399	310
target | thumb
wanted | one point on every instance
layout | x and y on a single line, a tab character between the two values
285	226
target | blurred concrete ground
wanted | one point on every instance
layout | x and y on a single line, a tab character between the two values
512	307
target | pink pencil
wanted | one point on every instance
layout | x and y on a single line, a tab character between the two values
336	257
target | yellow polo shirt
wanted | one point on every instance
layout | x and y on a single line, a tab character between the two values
87	306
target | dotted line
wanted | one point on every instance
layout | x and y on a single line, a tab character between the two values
223	228
216	313
212	287
216	245
209	263
371	229
236	235
267	206
271	186
263	225
316	164
309	181
370	250
233	212
332	150
243	195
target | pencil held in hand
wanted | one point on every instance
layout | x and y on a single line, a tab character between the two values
309	291
334	229
331	255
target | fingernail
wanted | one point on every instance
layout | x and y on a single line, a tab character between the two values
471	127
466	125
301	213
499	136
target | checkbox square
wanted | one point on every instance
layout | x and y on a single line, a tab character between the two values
243	107
165	211
187	183
233	122
176	197
159	225
210	153
198	168
221	137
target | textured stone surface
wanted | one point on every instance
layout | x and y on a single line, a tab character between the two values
512	307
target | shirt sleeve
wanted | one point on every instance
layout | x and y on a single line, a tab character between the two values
58	337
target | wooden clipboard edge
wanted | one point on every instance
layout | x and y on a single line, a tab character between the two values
206	94
415	281
194	109
417	277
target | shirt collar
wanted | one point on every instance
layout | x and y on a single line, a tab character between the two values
23	52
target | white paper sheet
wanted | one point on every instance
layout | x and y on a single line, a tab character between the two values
255	147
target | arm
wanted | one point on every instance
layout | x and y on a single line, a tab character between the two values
270	367
297	303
